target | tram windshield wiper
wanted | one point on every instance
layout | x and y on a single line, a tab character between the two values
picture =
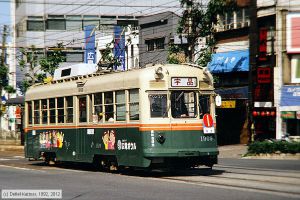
179	96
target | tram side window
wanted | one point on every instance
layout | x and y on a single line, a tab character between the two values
82	109
69	109
120	106
44	111
29	113
52	110
109	106
183	104
204	105
158	105
60	110
134	104
98	106
36	112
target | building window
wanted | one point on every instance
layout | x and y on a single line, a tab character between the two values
236	19
150	45
91	20
73	23
74	56
112	20
160	43
153	44
295	72
56	22
35	23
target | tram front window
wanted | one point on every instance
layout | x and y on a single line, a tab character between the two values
183	104
158	105
204	105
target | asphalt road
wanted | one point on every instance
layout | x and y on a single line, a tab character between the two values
231	179
261	164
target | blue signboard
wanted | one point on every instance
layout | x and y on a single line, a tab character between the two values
119	48
290	96
232	61
89	54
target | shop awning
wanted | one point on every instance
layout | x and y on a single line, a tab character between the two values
233	93
290	98
232	61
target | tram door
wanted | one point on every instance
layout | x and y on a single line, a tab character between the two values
32	145
84	136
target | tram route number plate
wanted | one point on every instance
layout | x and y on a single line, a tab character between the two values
207	130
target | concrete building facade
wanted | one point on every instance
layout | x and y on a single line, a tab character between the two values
156	32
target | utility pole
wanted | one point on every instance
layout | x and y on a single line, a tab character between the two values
191	45
2	65
253	48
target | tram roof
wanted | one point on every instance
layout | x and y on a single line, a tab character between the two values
101	82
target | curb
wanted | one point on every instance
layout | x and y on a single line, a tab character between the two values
282	156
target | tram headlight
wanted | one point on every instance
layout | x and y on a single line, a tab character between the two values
160	139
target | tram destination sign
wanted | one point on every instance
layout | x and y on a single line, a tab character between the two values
183	82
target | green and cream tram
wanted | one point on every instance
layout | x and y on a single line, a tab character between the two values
161	115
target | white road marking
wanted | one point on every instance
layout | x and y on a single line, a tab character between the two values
21	168
6	159
19	157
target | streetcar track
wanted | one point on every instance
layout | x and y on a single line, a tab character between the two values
260	171
261	174
228	186
257	180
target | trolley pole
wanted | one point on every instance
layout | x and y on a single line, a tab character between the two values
253	48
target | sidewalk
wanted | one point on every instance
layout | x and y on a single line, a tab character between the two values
11	145
232	151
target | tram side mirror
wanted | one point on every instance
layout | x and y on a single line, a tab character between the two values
218	100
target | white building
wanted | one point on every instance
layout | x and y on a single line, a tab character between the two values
131	46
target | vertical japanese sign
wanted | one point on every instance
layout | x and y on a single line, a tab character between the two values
263	34
119	48
90	54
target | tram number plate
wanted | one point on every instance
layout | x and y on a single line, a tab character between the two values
206	138
208	130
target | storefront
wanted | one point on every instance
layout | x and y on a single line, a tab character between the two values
230	70
290	110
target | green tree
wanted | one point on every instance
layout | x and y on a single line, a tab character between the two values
198	21
4	69
51	62
36	67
